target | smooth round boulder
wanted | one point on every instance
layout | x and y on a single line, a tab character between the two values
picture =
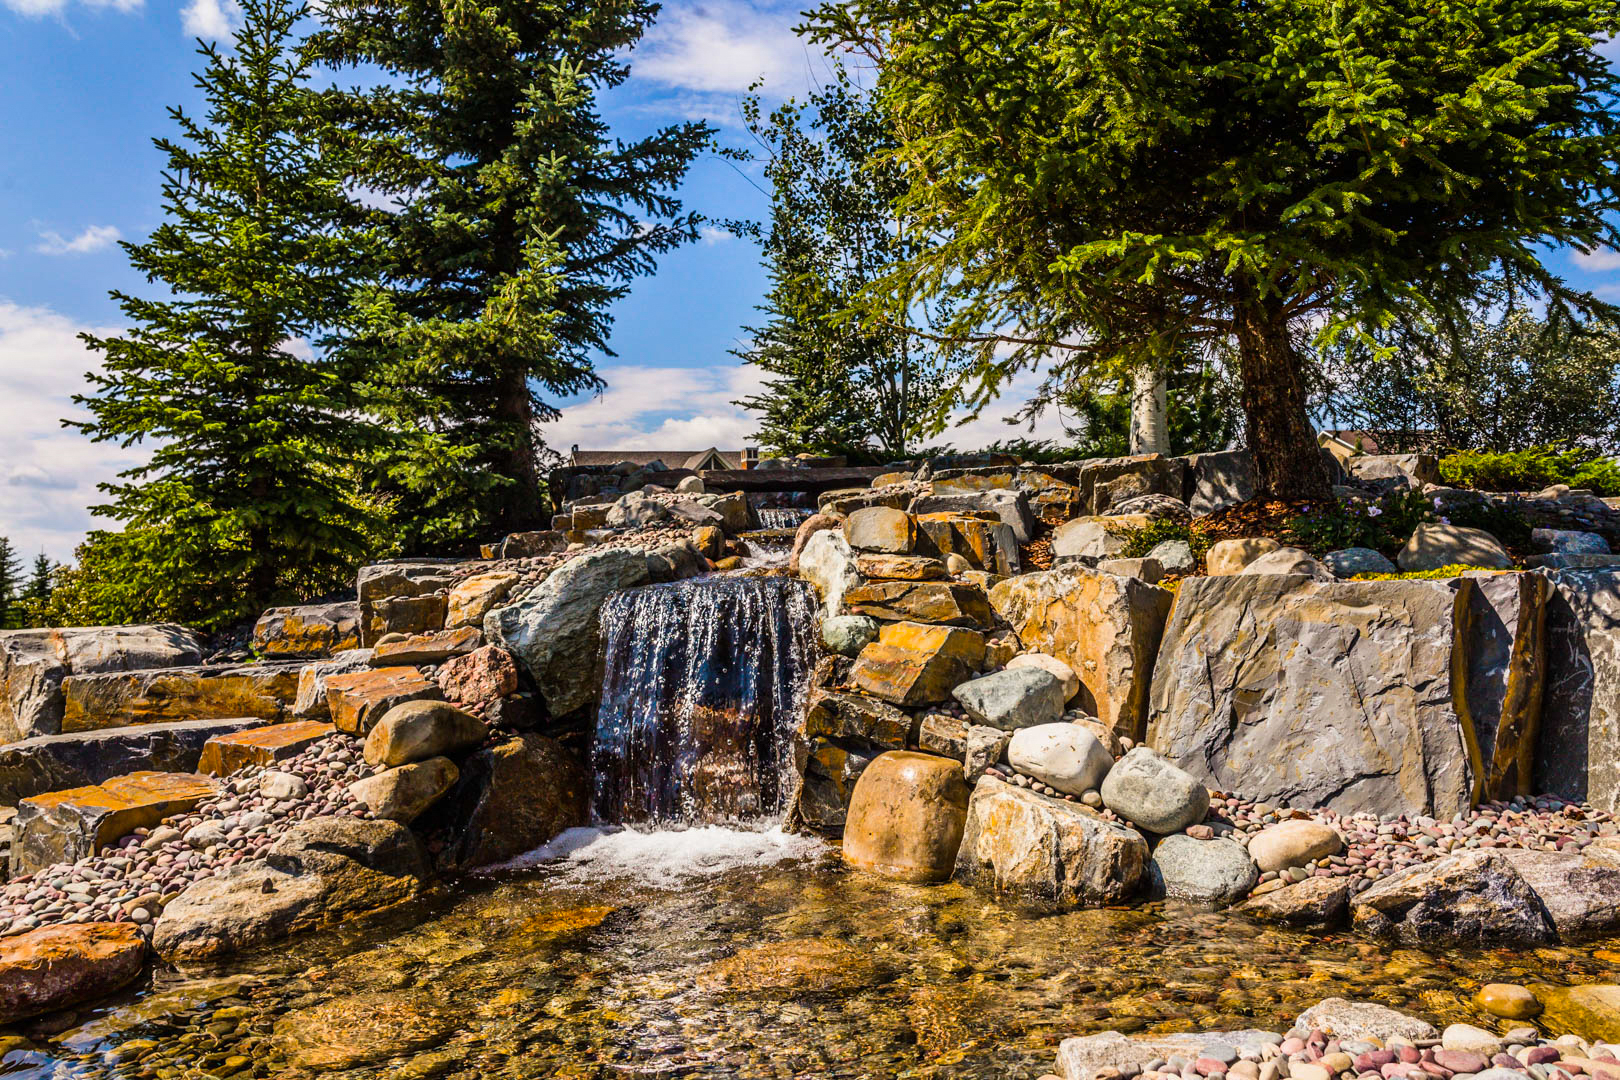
1152	794
418	730
956	565
1348	562
1289	560
1064	756
1507	1000
1231	556
1293	843
906	817
690	485
1065	674
1436	544
1215	871
402	794
882	529
847	635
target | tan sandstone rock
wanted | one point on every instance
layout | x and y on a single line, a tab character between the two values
916	663
476	597
1231	556
1293	843
418	730
906	816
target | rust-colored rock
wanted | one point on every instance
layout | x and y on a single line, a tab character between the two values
482	675
476	597
309	630
66	826
55	967
917	664
225	754
359	700
900	567
906	817
982	538
402	597
921	601
165	695
433	648
833	715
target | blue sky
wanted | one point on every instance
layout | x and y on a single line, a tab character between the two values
83	91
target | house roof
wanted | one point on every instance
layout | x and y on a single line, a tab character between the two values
672	459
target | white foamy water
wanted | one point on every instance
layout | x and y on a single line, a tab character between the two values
667	858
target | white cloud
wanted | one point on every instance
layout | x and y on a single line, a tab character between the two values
210	18
94	238
709	235
48	473
40	8
712	51
655	408
1600	259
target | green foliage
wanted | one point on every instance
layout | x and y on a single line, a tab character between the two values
1531	470
11	585
1105	182
1506	525
1202	410
517	223
836	386
1494	383
1139	543
1384	524
249	496
34	602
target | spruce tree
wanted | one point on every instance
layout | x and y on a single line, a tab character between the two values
249	495
518	223
10	584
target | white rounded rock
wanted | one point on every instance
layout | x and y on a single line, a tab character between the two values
1293	843
1062	756
1064	673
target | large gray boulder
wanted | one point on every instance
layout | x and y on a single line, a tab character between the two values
33	664
1394	472
1013	698
1217	872
1152	794
1568	542
1581	889
1348	562
322	872
1012	507
1435	544
1217	480
1476	897
553	631
1290	560
1337	1016
1312	694
1578	749
1020	842
636	509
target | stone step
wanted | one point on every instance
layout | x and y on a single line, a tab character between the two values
165	695
33	664
48	763
65	826
310	630
266	745
357	701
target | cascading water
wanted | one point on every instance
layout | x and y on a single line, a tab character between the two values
704	681
781	517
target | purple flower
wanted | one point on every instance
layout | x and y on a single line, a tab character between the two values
1437	501
1373	511
1445	521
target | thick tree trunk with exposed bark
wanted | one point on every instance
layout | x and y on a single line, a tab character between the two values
1287	460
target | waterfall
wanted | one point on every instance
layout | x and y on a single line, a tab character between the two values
781	517
703	684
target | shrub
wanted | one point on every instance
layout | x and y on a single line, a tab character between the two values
1139	542
1531	470
1383	525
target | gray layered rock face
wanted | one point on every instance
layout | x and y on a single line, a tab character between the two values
1507	667
1218	480
1578	748
1020	842
1473	898
33	664
1581	890
1217	872
320	872
1568	542
1309	694
1107	482
1013	698
1393	472
1148	791
1012	507
553	631
78	759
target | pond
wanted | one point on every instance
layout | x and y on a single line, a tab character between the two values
719	952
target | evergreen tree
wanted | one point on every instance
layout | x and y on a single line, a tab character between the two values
517	223
249	496
1109	180
35	598
837	385
1202	409
10	584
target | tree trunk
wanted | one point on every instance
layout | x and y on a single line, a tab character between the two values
1150	431
520	508
1287	459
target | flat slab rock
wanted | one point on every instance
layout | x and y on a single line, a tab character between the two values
65	826
48	763
166	695
58	966
1080	1058
259	745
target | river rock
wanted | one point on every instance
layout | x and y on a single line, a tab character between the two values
479	677
1337	1016
1013	698
1231	556
1318	903
881	529
1468	1039
828	564
354	1030
1062	756
321	872
1289	560
1471	898
33	664
278	786
418	730
1507	1000
554	630
905	819
1175	556
1581	890
1293	843
477	596
1088	1056
310	703
1578	748
1064	673
1348	562
1151	793
848	634
1593	1010
1215	871
58	966
1436	544
1261	673
510	798
1106	628
402	794
1020	842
